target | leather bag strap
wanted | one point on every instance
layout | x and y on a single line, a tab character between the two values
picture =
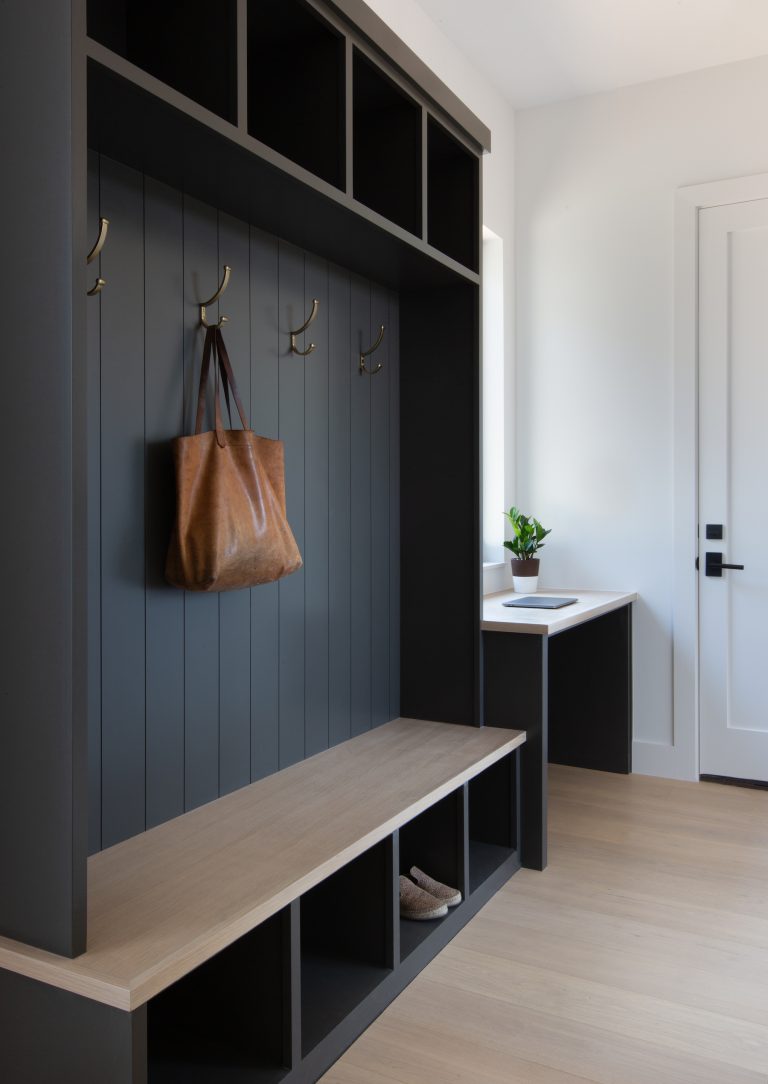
214	348
204	370
228	379
220	440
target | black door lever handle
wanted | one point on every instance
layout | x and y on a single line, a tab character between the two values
714	565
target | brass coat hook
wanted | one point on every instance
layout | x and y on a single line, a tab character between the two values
100	283
367	353
204	304
303	328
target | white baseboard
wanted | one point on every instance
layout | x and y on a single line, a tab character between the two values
665	761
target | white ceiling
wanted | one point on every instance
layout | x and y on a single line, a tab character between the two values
538	51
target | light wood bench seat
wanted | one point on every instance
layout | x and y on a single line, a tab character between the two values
163	902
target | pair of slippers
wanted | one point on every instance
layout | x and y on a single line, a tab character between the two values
421	897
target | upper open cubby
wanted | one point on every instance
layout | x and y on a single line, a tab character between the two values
179	42
387	146
296	85
452	196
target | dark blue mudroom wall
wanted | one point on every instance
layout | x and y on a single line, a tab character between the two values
192	696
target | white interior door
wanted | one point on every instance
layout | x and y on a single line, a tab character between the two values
733	489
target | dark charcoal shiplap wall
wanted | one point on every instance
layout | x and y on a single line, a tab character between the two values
192	696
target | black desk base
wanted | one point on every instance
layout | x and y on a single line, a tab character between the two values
572	693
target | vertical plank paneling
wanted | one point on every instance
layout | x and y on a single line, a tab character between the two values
196	694
360	489
316	507
122	506
265	614
163	395
394	507
340	376
235	606
201	617
93	354
379	552
291	589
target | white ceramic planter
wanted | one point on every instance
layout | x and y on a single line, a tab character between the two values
525	575
525	585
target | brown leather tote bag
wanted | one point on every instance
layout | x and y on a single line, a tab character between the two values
231	529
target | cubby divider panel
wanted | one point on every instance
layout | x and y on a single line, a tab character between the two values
433	841
296	81
453	190
346	935
492	819
229	1020
184	43
387	147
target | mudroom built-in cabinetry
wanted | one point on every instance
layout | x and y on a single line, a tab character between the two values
207	799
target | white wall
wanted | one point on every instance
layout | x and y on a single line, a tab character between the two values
414	26
595	186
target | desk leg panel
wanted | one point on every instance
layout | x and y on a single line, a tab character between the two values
50	1036
516	691
590	694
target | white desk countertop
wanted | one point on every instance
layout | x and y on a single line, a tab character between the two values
498	618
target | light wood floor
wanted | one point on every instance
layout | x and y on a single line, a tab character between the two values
640	956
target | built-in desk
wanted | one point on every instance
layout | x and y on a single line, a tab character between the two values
565	676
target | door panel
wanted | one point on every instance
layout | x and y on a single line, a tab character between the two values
733	454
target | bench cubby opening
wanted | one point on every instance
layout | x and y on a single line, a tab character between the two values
493	819
177	43
453	187
387	146
228	1020
296	85
433	842
346	941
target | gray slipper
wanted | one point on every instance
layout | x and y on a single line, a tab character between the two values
418	904
449	896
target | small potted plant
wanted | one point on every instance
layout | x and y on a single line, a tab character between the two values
528	539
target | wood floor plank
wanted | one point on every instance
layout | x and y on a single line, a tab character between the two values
640	956
611	949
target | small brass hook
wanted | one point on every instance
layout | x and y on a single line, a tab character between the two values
100	283
367	353
204	304
303	328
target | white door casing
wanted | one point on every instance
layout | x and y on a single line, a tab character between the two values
733	491
680	759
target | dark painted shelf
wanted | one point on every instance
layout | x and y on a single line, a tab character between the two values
387	146
344	942
413	934
492	820
431	841
141	122
331	988
171	42
296	79
484	860
227	1020
220	1068
453	187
